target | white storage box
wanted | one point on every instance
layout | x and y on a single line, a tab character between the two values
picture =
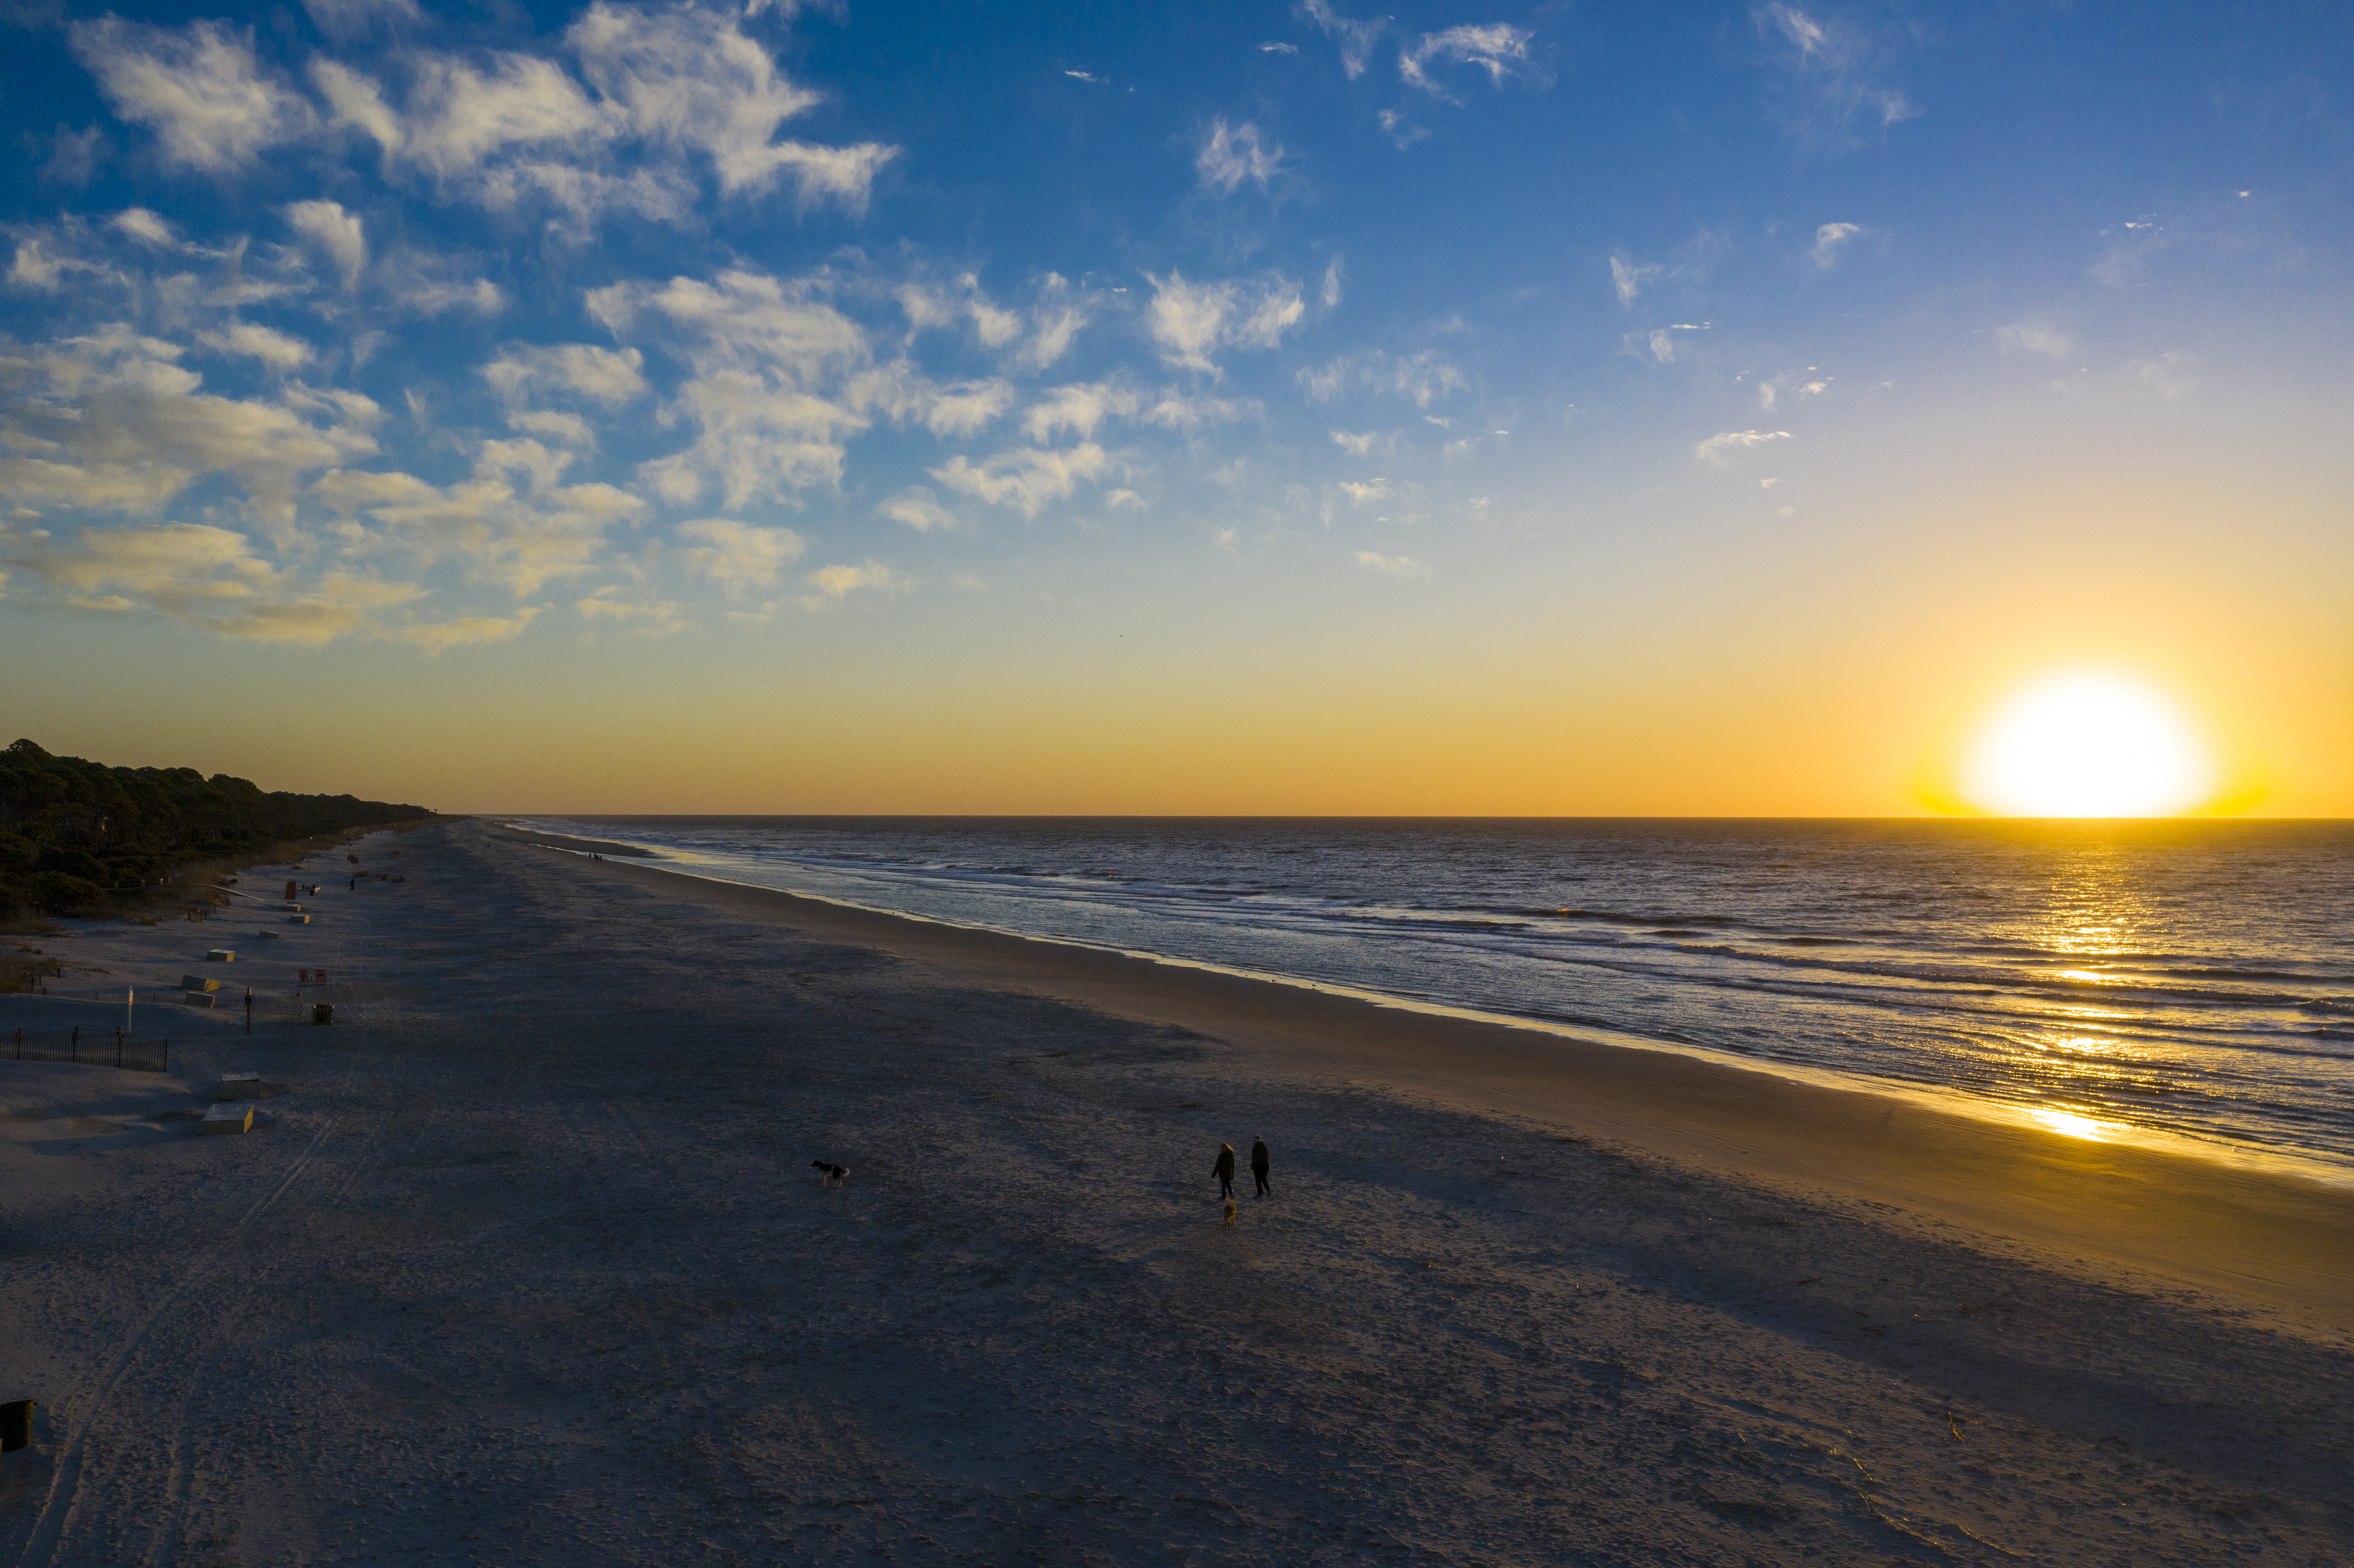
238	1118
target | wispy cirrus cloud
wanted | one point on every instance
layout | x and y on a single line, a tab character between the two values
920	509
1355	37
1027	479
1422	377
1497	48
737	555
1232	155
1403	567
1834	79
200	89
1720	451
1828	240
1188	322
2035	337
838	583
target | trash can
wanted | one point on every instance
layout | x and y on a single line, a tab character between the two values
323	1012
15	1425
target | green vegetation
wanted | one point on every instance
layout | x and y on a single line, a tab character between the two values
76	835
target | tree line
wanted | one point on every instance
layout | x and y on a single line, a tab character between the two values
76	835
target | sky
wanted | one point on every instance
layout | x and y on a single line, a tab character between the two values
1490	408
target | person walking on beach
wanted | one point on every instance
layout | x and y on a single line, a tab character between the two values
1259	1163
1225	1170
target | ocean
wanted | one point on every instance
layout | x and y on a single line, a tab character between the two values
2178	982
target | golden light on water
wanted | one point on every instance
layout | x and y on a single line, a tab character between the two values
2089	746
2075	1125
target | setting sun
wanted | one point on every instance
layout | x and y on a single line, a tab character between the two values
2089	746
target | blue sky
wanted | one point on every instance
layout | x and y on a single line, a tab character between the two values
548	337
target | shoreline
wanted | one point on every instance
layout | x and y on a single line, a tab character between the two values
2290	1165
2278	1241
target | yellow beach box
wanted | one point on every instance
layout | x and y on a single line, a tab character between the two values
198	982
238	1087
236	1118
221	955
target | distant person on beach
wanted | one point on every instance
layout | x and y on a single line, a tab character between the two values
1225	1170
1259	1163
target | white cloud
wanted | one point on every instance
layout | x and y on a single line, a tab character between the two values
1055	320
1027	478
203	576
1356	38
1660	344
142	224
1720	451
966	407
570	428
689	78
1331	293
2035	337
429	285
1795	384
467	631
334	230
1232	154
1176	411
658	618
1188	321
1361	445
1825	250
459	118
1123	499
771	393
1836	75
757	441
1421	377
1399	566
920	509
275	349
1499	49
119	425
38	267
1628	278
2169	375
518	541
199	88
1399	129
354	18
683	83
1366	494
739	555
1080	407
1278	49
357	101
841	582
600	374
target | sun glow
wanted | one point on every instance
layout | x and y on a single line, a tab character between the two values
2088	745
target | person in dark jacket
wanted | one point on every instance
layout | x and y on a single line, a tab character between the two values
1225	1170
1259	1163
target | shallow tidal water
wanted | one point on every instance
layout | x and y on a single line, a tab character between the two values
2183	979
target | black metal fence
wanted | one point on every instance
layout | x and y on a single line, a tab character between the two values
98	1048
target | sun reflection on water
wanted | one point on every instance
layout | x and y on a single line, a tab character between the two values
2075	1125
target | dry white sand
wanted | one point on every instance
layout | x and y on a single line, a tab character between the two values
530	1267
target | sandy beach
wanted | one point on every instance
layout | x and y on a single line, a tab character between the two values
528	1264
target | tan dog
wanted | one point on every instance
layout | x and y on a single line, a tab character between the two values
1230	1211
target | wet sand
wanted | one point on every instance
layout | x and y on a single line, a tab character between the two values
529	1266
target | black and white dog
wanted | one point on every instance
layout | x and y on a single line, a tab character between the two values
829	1174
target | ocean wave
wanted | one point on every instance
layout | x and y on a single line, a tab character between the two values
2214	988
